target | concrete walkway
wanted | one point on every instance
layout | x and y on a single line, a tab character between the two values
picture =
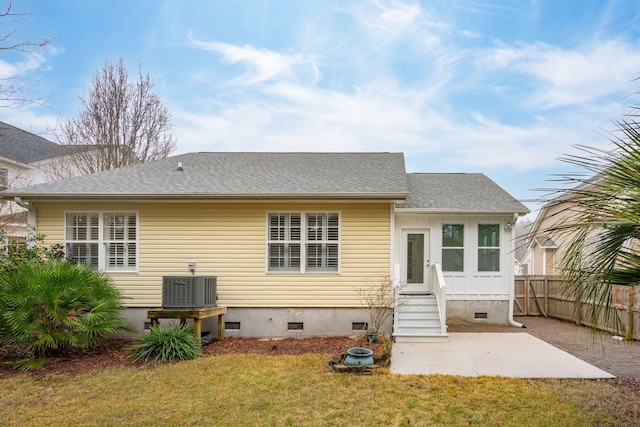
516	355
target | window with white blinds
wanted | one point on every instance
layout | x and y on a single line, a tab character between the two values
303	242
106	240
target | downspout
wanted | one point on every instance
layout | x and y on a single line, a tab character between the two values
512	289
511	321
32	218
393	271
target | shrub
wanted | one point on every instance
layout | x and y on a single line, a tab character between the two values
166	344
46	308
378	300
17	251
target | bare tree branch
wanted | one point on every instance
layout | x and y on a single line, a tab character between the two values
121	123
13	91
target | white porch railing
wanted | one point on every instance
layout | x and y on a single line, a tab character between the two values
439	288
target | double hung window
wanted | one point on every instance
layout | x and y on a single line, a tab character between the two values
106	240
303	242
452	247
285	235
488	247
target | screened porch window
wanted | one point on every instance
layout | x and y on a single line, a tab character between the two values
303	242
108	240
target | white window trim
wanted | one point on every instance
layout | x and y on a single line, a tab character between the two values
499	248
303	243
463	247
101	240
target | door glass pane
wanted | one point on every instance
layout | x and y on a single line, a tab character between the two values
415	258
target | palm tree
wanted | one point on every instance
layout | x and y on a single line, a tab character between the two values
50	307
604	225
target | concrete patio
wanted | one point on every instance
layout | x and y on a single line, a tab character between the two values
516	355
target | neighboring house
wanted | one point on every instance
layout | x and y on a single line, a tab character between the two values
542	256
521	266
292	237
544	245
25	159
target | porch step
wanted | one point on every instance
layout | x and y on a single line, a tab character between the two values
422	338
418	319
414	322
421	310
419	300
415	293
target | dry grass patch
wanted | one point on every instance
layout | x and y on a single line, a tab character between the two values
614	405
293	390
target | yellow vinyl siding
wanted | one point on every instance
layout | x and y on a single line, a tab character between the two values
228	240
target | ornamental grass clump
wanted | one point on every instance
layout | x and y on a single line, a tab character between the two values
169	344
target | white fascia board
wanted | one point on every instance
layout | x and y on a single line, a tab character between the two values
458	211
16	163
391	199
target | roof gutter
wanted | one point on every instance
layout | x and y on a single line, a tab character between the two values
17	163
515	214
391	198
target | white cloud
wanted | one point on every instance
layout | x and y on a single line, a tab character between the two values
563	77
380	118
489	144
391	22
29	62
396	78
308	119
32	119
394	16
382	114
262	65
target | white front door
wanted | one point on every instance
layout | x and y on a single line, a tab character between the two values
415	261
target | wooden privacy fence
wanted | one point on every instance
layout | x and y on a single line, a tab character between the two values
543	296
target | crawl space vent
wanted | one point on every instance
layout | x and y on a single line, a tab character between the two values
295	326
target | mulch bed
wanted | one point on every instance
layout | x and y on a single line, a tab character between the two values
113	353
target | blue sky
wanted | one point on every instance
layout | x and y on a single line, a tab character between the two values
502	87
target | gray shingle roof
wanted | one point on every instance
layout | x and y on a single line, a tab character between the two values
25	147
462	192
242	174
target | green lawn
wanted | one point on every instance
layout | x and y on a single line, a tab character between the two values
236	390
